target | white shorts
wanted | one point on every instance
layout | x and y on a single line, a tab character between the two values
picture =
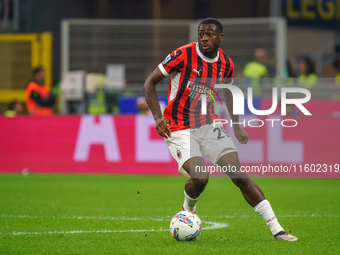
209	140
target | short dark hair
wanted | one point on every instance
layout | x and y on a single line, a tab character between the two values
37	70
213	21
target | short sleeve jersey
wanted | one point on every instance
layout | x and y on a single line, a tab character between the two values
188	67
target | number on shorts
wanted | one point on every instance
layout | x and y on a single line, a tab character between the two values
220	130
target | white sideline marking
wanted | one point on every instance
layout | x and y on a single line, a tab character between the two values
162	219
213	225
84	232
80	217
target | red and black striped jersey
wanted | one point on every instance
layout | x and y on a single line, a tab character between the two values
187	67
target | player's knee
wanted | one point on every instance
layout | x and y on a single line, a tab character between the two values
200	182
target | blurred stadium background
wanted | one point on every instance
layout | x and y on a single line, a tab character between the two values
97	55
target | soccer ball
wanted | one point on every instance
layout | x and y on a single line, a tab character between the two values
185	226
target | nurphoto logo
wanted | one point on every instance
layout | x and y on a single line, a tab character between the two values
238	100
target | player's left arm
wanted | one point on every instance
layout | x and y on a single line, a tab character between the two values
241	135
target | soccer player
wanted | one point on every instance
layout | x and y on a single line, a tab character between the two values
189	134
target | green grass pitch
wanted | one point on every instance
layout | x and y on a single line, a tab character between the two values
104	214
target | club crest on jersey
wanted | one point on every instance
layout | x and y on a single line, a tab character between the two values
179	154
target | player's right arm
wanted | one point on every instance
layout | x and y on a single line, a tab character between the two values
151	97
174	62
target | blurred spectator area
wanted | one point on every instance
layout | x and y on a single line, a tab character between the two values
136	36
20	53
319	44
138	46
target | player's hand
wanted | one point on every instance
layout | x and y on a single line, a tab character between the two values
162	127
241	135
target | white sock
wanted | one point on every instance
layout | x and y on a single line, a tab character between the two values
190	203
265	210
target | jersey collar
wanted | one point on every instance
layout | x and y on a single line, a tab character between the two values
209	60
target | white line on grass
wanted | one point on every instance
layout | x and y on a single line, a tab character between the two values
160	219
85	232
213	225
80	217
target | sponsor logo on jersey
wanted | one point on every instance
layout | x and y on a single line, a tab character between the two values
196	91
198	72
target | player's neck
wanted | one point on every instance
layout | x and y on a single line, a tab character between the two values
211	57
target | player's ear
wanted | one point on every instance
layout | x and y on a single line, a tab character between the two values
221	37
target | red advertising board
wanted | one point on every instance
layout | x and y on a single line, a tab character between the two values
130	145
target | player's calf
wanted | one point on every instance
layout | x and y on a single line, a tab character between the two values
250	191
192	192
196	184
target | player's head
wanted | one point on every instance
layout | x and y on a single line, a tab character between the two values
214	21
210	36
39	74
